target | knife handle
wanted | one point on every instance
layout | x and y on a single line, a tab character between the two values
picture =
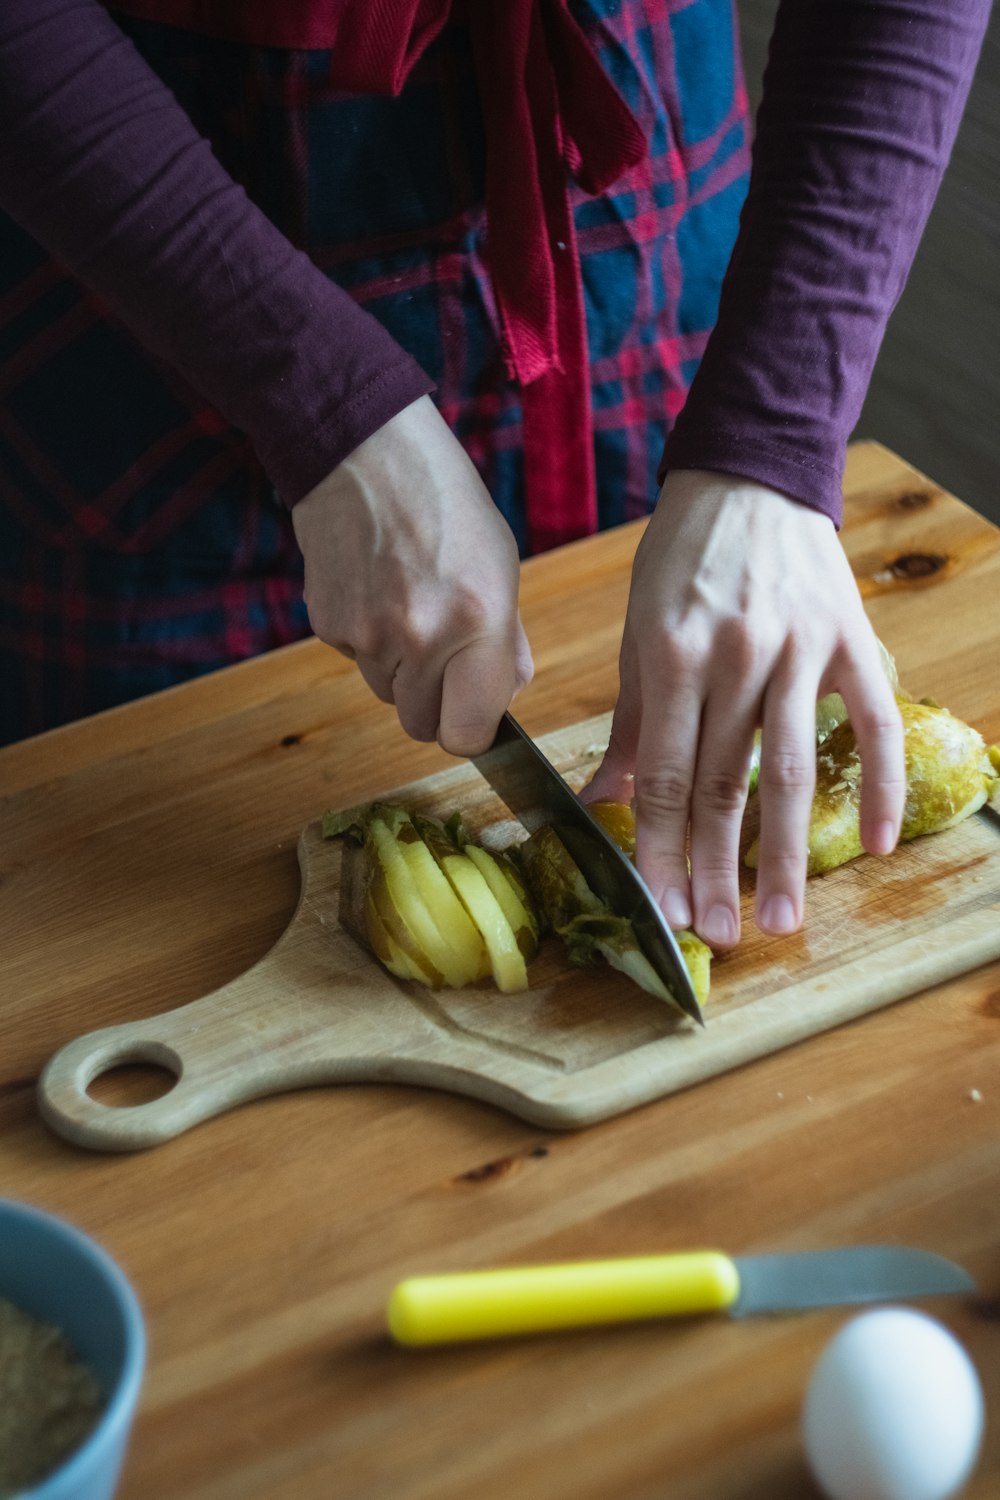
531	1299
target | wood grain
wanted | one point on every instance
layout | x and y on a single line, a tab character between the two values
148	857
577	1047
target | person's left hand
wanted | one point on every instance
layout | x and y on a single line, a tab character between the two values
742	611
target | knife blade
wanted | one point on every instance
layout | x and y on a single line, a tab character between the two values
533	790
535	1299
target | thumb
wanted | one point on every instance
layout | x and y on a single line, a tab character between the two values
479	681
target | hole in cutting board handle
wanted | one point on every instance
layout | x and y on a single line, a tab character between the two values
129	1077
128	1085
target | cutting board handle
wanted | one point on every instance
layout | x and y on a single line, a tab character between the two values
217	1056
313	1010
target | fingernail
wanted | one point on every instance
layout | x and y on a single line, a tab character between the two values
719	926
885	839
677	909
778	915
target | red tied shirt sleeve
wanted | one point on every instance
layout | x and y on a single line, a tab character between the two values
862	101
101	165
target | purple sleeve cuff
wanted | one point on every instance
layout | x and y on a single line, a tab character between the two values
795	474
299	466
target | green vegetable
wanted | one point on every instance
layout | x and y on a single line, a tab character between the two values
589	930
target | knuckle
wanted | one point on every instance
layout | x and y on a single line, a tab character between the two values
468	609
742	649
877	721
786	861
783	870
461	619
716	872
417	723
787	770
365	642
723	791
682	652
664	792
417	633
354	634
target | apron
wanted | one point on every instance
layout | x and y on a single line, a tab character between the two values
140	542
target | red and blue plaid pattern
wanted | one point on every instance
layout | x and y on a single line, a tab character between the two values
140	542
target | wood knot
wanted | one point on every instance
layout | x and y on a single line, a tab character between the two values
991	1005
489	1171
291	739
913	500
492	1171
917	565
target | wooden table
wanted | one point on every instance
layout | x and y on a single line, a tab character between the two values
148	856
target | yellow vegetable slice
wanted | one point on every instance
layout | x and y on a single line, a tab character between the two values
515	907
506	959
618	821
456	927
407	898
504	955
384	925
388	952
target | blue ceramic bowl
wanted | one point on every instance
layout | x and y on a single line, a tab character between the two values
56	1273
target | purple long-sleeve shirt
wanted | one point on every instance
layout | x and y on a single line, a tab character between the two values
862	102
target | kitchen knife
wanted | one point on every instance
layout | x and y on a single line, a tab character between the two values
536	794
533	1299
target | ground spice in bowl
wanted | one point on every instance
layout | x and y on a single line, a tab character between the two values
49	1400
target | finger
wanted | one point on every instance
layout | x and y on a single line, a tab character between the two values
719	797
524	666
664	775
878	731
614	779
416	692
478	683
377	677
787	782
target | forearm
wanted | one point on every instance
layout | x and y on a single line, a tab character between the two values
101	165
862	101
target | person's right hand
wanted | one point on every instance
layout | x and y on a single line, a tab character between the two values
412	571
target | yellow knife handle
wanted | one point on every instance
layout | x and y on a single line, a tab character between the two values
531	1299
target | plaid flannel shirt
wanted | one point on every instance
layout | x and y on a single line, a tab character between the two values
140	540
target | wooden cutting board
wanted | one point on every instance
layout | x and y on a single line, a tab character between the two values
580	1045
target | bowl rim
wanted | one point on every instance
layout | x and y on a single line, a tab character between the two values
122	1399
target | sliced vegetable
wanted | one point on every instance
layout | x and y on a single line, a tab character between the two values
618	821
950	773
831	710
588	929
509	890
437	908
506	961
427	908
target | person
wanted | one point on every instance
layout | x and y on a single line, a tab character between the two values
437	277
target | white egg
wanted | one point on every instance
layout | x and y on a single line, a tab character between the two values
893	1411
